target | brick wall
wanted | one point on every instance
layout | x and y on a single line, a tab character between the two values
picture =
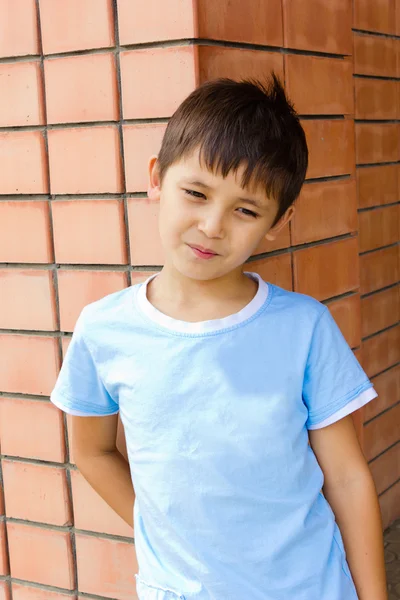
86	89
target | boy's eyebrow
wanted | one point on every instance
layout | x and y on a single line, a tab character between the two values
252	201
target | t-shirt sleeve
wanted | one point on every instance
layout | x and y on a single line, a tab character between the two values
334	382
79	389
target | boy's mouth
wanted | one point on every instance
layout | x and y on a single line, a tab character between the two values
202	252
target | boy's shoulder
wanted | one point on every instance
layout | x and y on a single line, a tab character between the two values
110	310
287	302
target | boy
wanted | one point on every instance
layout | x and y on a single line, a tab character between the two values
235	394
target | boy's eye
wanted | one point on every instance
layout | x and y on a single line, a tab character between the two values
194	194
248	212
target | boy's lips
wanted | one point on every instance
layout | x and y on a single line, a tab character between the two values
202	252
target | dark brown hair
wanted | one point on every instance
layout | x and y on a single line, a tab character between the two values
235	123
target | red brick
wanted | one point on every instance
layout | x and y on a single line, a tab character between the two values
91	94
33	242
79	288
331	147
172	73
36	493
145	242
23	163
98	232
377	185
379	269
347	315
5	590
325	209
4	566
254	22
379	227
377	142
175	20
31	429
313	84
85	160
92	513
106	567
21	99
49	560
374	55
375	99
140	142
18	28
26	592
316	25
387	385
237	63
386	469
375	16
380	310
1	489
29	364
382	432
381	351
276	269
16	285
390	505
327	270
76	25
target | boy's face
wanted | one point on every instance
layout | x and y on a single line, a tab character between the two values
209	226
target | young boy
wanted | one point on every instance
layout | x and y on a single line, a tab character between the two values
235	394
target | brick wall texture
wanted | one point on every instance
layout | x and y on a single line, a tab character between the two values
86	90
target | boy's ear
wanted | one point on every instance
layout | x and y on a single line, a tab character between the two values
154	185
284	220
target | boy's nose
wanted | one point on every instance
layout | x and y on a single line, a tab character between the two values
212	225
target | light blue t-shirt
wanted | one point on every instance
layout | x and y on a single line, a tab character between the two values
216	416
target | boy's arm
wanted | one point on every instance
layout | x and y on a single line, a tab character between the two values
102	465
350	491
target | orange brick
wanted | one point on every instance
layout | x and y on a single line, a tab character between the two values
331	147
379	227
387	385
172	73
377	185
31	429
49	560
23	163
18	28
175	21
91	94
29	364
237	63
140	142
106	567
1	489
281	241
379	269
374	55
16	285
386	469
325	209
276	270
76	25
85	160
21	94
26	592
92	513
380	310
98	232
347	315
4	566
375	16
253	22
31	221
375	99
5	590
78	288
390	505
316	25
312	84
327	270
377	142
69	433
381	351
382	432
36	493
145	242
